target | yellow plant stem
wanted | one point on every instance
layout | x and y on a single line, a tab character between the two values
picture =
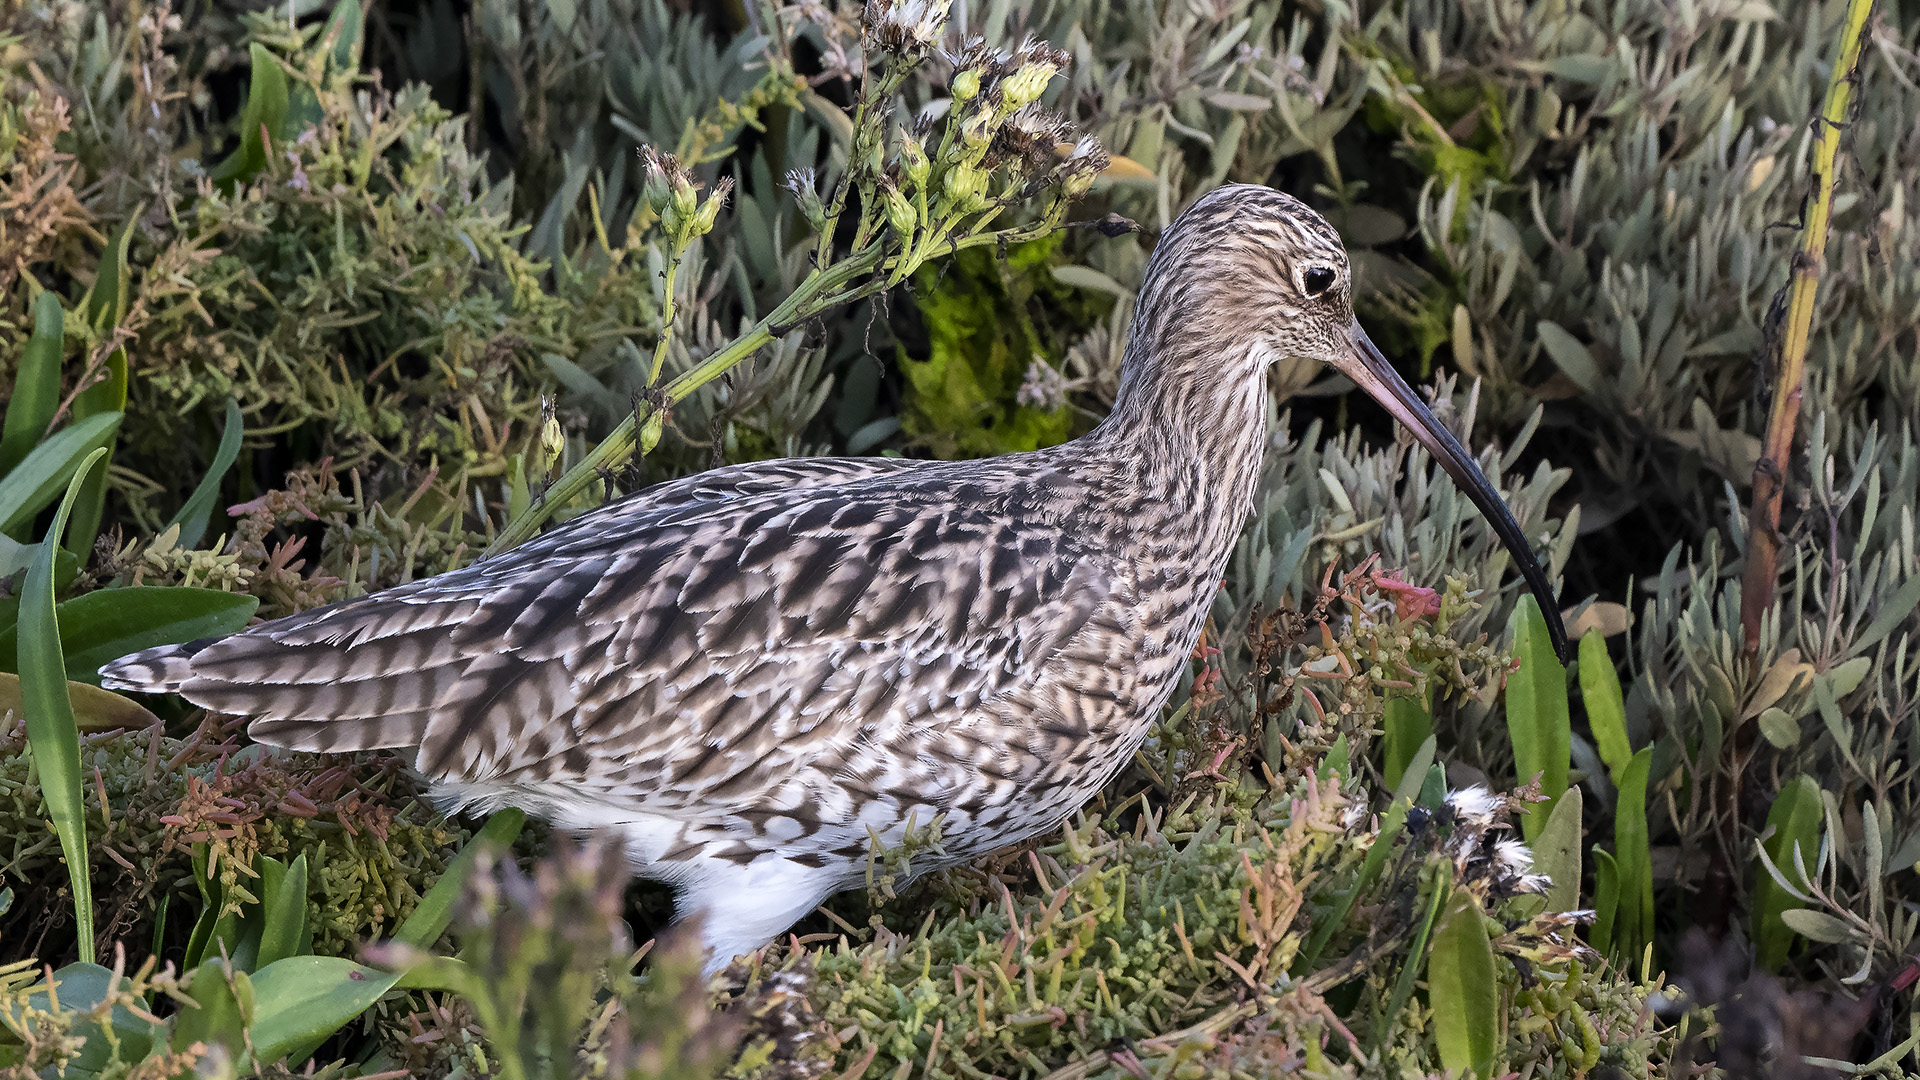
1770	472
1776	454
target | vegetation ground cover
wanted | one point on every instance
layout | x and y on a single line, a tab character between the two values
304	301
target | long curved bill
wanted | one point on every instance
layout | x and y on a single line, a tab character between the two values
1367	368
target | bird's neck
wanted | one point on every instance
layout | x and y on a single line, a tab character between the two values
1193	427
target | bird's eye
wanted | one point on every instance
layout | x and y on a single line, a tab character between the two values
1318	280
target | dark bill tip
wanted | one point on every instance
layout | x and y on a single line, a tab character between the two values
1371	372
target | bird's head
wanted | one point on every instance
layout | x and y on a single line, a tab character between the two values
1251	263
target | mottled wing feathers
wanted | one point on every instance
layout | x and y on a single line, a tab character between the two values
679	636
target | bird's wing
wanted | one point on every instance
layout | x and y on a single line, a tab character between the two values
701	623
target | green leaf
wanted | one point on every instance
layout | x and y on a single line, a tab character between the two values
1780	729
1538	719
1339	759
1606	706
94	709
1407	726
1569	355
1817	926
1606	902
51	733
1890	616
283	893
429	920
1792	822
264	118
197	511
36	384
39	478
222	1009
1633	854
106	624
1557	852
106	303
301	1000
108	396
1390	828
444	973
343	34
1462	989
81	988
1413	779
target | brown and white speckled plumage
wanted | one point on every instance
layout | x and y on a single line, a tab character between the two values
751	672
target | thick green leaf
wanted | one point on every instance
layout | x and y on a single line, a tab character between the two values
94	709
1462	989
109	395
197	511
107	624
283	893
1407	725
1413	779
81	988
36	385
51	733
263	119
38	480
1792	822
1633	855
1383	842
1606	901
1557	852
222	1009
106	303
1538	719
429	920
343	31
301	1000
1606	707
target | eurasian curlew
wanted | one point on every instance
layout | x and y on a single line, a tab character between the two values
750	672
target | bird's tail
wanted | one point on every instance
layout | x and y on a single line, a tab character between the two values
160	670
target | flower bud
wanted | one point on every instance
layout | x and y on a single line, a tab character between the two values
976	131
655	190
1025	86
913	161
683	202
710	210
963	184
966	86
553	439
800	184
900	213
